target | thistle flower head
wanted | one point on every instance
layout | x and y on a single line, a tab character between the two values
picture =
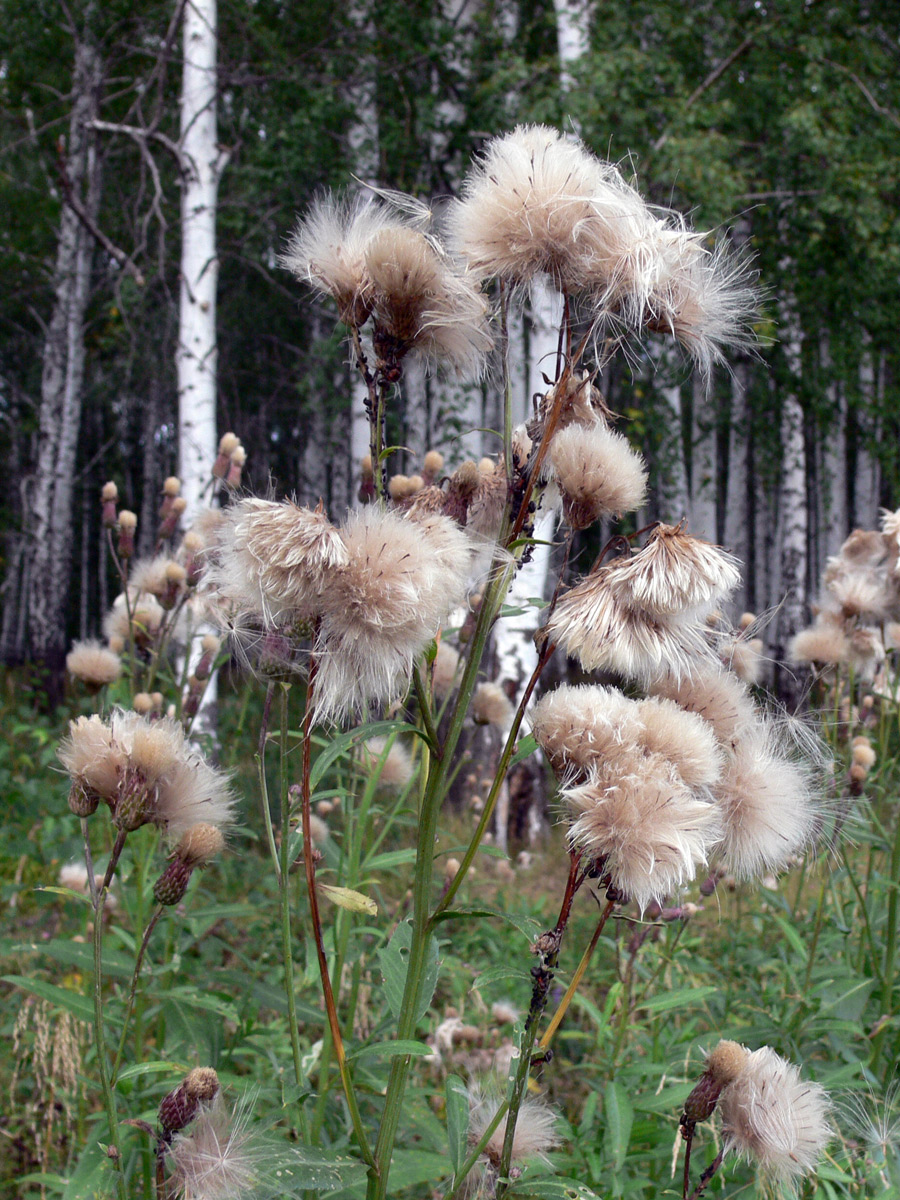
773	1117
674	574
143	624
401	580
491	705
538	202
218	1157
535	1135
577	724
93	664
767	803
444	670
597	473
396	766
824	642
704	298
593	624
272	559
642	825
719	697
328	250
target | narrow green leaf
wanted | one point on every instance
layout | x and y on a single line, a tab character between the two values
525	747
78	1005
78	954
797	943
344	742
457	1097
681	998
152	1068
501	975
548	1187
525	924
618	1117
390	1049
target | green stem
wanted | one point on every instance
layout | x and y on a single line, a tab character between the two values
309	862
284	888
467	1166
817	931
109	1098
129	1007
890	948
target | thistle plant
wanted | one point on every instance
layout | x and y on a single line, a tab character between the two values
676	772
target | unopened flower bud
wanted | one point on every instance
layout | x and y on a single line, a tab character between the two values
127	526
235	467
169	523
723	1066
228	443
433	465
143	703
108	498
180	1106
83	802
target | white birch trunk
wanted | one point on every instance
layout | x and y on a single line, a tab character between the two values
704	464
738	523
202	165
832	498
868	468
793	523
62	380
674	496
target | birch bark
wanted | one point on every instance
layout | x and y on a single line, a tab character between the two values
793	511
62	382
202	163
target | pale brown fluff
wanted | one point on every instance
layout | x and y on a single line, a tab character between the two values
538	202
93	663
597	472
642	824
674	573
774	1118
379	611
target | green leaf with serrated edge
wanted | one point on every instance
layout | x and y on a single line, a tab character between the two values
682	998
412	1168
317	1170
79	1006
457	1097
394	961
501	975
390	1049
618	1117
525	924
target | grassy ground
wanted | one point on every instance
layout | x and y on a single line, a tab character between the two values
807	965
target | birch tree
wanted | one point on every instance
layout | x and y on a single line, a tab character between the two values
202	162
62	379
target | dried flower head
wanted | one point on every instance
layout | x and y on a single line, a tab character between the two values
396	768
597	473
538	202
715	695
218	1157
774	1118
768	805
444	670
642	826
379	612
535	1134
273	558
146	617
93	664
491	705
593	624
824	643
674	574
328	250
146	772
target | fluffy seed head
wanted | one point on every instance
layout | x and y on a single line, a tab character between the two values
127	520
200	844
597	472
445	668
273	558
674	573
824	642
218	1158
577	724
535	1133
592	624
434	463
718	697
767	804
726	1061
402	579
643	826
109	493
396	767
491	705
538	202
93	664
773	1117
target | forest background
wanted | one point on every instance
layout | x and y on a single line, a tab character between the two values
778	122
